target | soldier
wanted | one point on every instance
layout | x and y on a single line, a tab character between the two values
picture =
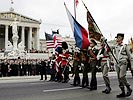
65	62
122	53
76	64
85	67
92	53
104	59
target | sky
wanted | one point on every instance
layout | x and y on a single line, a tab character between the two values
112	16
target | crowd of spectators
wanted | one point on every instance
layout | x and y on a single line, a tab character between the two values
22	67
29	51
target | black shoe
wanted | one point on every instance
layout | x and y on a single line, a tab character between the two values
121	95
73	84
106	91
129	93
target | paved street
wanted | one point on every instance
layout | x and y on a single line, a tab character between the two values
31	88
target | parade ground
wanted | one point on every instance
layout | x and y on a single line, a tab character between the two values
31	88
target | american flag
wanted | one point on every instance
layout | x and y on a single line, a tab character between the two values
49	41
53	41
57	40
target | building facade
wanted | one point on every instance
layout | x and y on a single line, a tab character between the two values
28	30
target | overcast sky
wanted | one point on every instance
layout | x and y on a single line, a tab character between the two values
112	16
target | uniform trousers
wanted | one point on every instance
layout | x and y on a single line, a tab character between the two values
121	69
93	82
105	69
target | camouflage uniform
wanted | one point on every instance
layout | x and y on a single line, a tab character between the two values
122	53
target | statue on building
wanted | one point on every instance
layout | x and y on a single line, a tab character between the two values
14	25
9	46
15	37
21	47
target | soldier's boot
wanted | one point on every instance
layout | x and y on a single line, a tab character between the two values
129	91
107	90
121	94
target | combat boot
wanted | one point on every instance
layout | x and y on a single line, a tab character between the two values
121	94
107	90
129	91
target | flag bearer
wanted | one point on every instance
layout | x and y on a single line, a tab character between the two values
104	57
92	53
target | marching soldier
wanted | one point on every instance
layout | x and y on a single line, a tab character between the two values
65	62
104	59
76	64
85	67
92	53
122	53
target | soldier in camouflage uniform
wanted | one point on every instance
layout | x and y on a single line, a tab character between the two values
122	53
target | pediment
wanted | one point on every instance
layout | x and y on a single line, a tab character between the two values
11	15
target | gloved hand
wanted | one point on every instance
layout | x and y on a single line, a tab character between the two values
99	56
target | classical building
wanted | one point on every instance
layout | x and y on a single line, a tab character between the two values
28	30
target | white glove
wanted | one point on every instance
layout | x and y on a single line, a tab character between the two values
99	56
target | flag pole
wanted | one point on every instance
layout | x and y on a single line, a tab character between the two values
75	9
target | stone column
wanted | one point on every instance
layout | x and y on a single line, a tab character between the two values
23	35
6	36
37	43
30	38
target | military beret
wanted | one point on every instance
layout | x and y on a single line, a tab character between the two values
64	45
120	34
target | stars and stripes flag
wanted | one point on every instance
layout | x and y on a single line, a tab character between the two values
53	41
49	41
